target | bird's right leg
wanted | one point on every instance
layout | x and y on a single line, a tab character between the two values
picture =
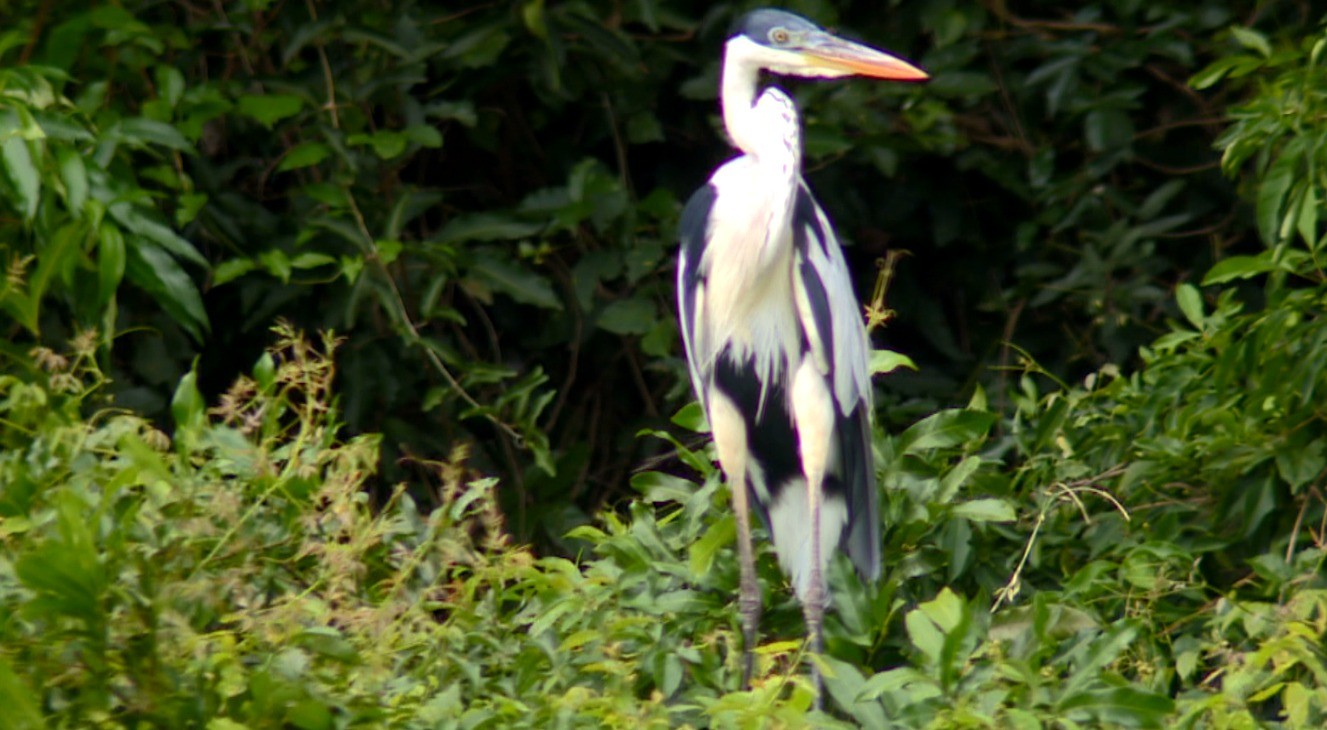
730	441
813	411
749	596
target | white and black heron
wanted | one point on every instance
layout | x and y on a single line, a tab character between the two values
774	334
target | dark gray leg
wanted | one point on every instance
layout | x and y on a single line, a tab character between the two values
729	429
813	604
749	596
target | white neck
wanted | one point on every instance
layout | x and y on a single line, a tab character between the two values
737	94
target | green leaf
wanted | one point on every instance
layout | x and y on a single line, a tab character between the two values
137	220
1108	129
845	683
75	176
304	154
919	686
1101	652
986	510
498	273
170	84
954	479
703	551
161	276
189	206
1251	39
110	261
310	714
268	109
1120	707
22	172
386	143
945	429
947	610
21	709
1272	193
1191	304
1299	463
632	316
187	406
62	253
644	127
146	132
692	417
486	227
275	261
655	486
327	641
1240	267
311	260
939	628
65	570
1307	223
232	269
423	135
924	634
1220	68
532	13
480	47
886	361
388	249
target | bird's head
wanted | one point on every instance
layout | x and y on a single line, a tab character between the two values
792	45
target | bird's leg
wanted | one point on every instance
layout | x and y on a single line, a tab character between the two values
813	412
730	442
749	595
813	603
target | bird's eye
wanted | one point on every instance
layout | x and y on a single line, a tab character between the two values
779	35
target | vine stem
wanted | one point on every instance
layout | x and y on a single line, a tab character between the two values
402	315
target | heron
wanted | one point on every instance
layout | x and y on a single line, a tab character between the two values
775	340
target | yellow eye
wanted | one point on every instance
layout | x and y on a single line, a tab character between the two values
779	35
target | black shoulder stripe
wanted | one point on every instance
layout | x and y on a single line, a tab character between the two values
693	229
692	233
818	297
804	216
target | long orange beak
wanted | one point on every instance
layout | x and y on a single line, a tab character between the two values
838	54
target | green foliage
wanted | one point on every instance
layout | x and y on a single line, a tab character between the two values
80	208
235	576
482	201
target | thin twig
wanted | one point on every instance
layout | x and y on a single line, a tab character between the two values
619	147
403	315
330	106
1065	491
38	24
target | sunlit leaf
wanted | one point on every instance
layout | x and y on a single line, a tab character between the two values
21	709
886	361
945	429
304	154
268	109
22	172
1191	304
986	510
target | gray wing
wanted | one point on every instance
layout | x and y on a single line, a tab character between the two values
836	337
693	233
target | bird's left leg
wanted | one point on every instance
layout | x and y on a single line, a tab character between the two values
813	412
730	441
